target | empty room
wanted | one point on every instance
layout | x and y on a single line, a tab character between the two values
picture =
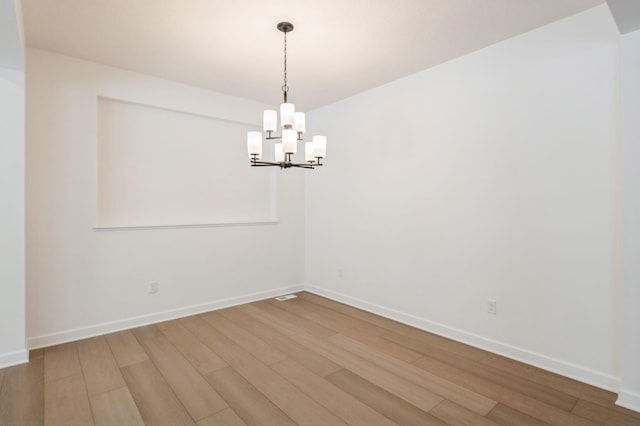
363	212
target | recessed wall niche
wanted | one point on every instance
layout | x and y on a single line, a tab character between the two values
159	167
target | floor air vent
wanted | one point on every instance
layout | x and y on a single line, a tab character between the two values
286	297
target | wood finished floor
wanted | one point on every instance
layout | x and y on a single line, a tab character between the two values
304	361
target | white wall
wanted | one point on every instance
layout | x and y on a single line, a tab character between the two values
629	394
12	257
155	167
82	282
12	233
488	177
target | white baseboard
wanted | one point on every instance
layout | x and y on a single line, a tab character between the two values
628	399
14	358
563	368
124	324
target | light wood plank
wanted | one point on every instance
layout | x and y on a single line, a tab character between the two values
328	318
157	403
471	400
311	360
125	348
61	361
421	341
301	325
101	373
283	326
310	379
395	327
355	328
358	329
36	354
555	381
452	413
604	416
22	394
251	343
386	323
197	396
201	357
387	404
522	403
409	391
250	404
299	407
146	332
348	408
66	401
518	384
507	416
115	407
226	417
385	346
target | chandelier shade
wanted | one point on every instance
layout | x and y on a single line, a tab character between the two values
293	126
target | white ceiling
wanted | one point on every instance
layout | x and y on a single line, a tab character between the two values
626	14
338	47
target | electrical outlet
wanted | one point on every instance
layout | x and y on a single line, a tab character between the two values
153	287
339	272
491	307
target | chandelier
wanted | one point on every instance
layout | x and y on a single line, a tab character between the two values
293	127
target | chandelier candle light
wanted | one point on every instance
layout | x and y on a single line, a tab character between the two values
293	127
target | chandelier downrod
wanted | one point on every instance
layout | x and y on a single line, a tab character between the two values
285	27
293	126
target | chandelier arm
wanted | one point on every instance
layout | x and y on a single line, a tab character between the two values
263	164
303	166
283	165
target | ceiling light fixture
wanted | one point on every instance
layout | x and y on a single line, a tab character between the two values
293	126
